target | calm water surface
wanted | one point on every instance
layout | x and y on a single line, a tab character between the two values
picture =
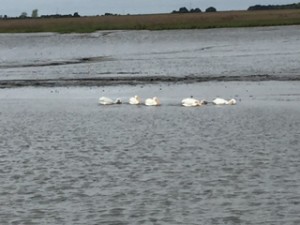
66	160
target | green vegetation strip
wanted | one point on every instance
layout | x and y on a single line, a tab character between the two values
153	22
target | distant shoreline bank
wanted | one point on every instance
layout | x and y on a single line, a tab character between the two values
140	80
226	19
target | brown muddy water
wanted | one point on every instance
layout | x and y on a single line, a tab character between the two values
64	159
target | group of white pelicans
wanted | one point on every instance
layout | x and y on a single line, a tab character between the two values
188	102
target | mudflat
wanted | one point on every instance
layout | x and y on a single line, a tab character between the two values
141	57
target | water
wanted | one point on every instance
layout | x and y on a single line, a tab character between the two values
217	52
67	160
64	159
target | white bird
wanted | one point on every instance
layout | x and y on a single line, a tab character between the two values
232	102
152	101
136	100
109	101
221	101
189	102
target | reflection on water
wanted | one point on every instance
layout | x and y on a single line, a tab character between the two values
67	160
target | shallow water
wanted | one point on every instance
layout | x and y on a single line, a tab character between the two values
64	159
217	52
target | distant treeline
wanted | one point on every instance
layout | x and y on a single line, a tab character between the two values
34	14
61	16
196	10
185	10
268	7
24	16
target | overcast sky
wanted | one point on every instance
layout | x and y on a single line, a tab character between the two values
99	7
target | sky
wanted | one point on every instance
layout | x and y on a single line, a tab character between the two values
13	8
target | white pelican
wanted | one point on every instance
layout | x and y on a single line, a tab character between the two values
108	101
136	100
221	101
189	102
152	101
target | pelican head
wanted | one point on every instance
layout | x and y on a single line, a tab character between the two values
118	101
156	100
203	102
137	98
231	102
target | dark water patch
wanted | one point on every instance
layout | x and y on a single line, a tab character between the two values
108	73
38	63
129	80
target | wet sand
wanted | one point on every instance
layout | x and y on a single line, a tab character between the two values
144	57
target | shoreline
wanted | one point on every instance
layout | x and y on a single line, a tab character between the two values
171	21
140	80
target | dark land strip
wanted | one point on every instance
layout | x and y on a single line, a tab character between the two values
58	62
140	80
